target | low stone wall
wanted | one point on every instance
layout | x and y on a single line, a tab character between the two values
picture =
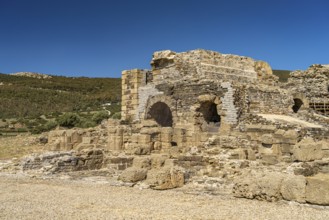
54	162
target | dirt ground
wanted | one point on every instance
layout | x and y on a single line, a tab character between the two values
30	198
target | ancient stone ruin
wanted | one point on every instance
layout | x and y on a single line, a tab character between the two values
222	122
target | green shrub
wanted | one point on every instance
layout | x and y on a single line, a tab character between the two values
116	115
100	116
22	130
86	123
69	120
50	125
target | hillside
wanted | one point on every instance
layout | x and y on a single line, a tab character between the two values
25	96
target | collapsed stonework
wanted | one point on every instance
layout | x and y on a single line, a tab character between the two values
201	115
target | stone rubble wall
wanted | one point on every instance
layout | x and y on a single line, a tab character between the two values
202	64
54	162
311	87
144	93
269	156
266	99
131	81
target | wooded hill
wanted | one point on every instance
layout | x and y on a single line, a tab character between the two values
28	97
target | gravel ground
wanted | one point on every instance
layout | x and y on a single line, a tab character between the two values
26	198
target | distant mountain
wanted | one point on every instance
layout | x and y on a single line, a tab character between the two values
26	94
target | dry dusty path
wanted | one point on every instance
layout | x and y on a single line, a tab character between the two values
25	198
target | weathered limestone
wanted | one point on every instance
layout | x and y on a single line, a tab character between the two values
317	189
65	161
205	117
165	178
293	188
259	186
308	150
133	175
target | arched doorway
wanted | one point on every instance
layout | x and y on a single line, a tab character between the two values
161	113
298	104
210	115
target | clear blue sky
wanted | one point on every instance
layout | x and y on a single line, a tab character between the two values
100	38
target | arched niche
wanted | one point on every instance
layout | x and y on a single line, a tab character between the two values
161	113
210	117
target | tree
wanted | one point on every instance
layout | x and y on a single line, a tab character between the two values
69	120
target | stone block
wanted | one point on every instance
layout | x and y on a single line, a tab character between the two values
293	188
267	139
142	149
269	159
308	150
268	128
279	133
144	138
133	175
286	148
158	161
317	189
165	145
276	149
166	137
261	186
86	140
142	162
290	137
166	178
149	123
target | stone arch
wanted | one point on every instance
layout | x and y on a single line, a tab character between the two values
161	113
161	109
209	113
300	102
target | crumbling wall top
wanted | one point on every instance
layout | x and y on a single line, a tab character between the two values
205	64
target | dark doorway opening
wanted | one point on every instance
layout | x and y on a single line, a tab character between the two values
209	112
298	104
161	113
211	118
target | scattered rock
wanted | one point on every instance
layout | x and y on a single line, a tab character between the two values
165	178
133	175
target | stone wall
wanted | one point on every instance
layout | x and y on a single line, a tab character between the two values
201	115
269	99
131	81
202	64
311	87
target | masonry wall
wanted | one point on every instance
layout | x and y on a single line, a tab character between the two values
202	64
269	100
131	81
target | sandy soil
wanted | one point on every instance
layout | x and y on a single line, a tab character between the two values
26	198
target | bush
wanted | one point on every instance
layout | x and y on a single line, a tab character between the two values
69	120
116	115
22	130
50	125
86	123
100	116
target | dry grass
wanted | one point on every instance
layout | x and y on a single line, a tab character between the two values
18	146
